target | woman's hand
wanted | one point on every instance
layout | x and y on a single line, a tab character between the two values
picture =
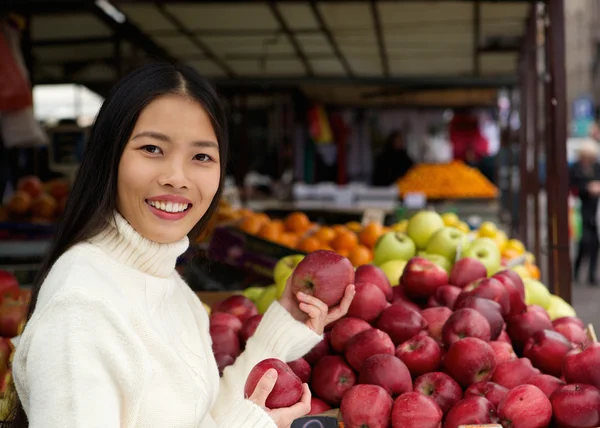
313	312
285	416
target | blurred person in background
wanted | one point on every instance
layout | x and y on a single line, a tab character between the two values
584	178
393	162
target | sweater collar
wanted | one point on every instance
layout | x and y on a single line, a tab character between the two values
123	242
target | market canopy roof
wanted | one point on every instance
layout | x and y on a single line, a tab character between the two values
320	45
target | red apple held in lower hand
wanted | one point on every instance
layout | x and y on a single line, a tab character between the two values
576	405
323	274
332	377
387	371
581	365
225	341
489	309
491	391
525	406
488	288
421	277
465	271
319	351
368	302
446	295
318	406
367	343
238	305
421	354
366	406
400	322
344	330
547	349
250	327
374	275
435	319
504	351
521	327
513	373
471	410
288	387
546	383
465	323
470	360
413	409
301	368
226	319
441	388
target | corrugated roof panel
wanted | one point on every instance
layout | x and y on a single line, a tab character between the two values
436	65
214	16
498	63
298	16
327	67
287	67
146	17
73	25
206	67
179	46
53	54
314	44
257	45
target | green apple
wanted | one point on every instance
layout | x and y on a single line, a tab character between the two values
445	242
393	270
441	261
558	308
536	293
266	298
487	252
285	266
253	293
422	226
393	246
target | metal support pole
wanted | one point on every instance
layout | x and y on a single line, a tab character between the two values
523	175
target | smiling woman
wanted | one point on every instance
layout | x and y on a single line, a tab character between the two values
115	338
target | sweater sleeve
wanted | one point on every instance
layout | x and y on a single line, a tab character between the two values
78	365
278	335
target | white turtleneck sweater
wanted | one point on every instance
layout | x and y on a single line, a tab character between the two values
118	339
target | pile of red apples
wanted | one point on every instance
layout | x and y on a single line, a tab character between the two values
437	351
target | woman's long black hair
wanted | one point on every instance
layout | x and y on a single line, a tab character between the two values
92	200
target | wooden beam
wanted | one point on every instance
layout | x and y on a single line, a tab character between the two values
380	39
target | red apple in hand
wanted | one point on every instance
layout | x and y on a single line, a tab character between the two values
368	302
521	327
369	342
288	387
581	365
525	406
249	327
400	322
323	274
366	406
301	368
228	320
489	309
445	296
421	277
441	388
435	319
332	378
488	288
546	383
225	341
318	406
471	410
421	354
387	371
514	373
576	405
504	351
547	349
470	360
465	271
491	391
344	330
374	275
413	409
319	351
465	323
237	305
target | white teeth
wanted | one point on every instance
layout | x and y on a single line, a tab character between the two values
171	207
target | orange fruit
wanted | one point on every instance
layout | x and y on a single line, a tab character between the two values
297	222
343	252
354	226
339	228
270	232
534	271
325	234
310	244
344	240
287	240
360	255
251	225
262	217
509	253
370	233
245	212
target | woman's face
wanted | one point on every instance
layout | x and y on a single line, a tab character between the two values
169	171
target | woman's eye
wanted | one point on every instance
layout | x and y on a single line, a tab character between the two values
203	158
155	150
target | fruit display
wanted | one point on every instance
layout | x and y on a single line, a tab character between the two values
454	180
36	202
481	343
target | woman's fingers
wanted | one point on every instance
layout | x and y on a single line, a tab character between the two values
301	408
312	300
264	387
342	309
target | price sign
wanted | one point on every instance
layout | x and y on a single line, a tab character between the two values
415	201
316	422
373	215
